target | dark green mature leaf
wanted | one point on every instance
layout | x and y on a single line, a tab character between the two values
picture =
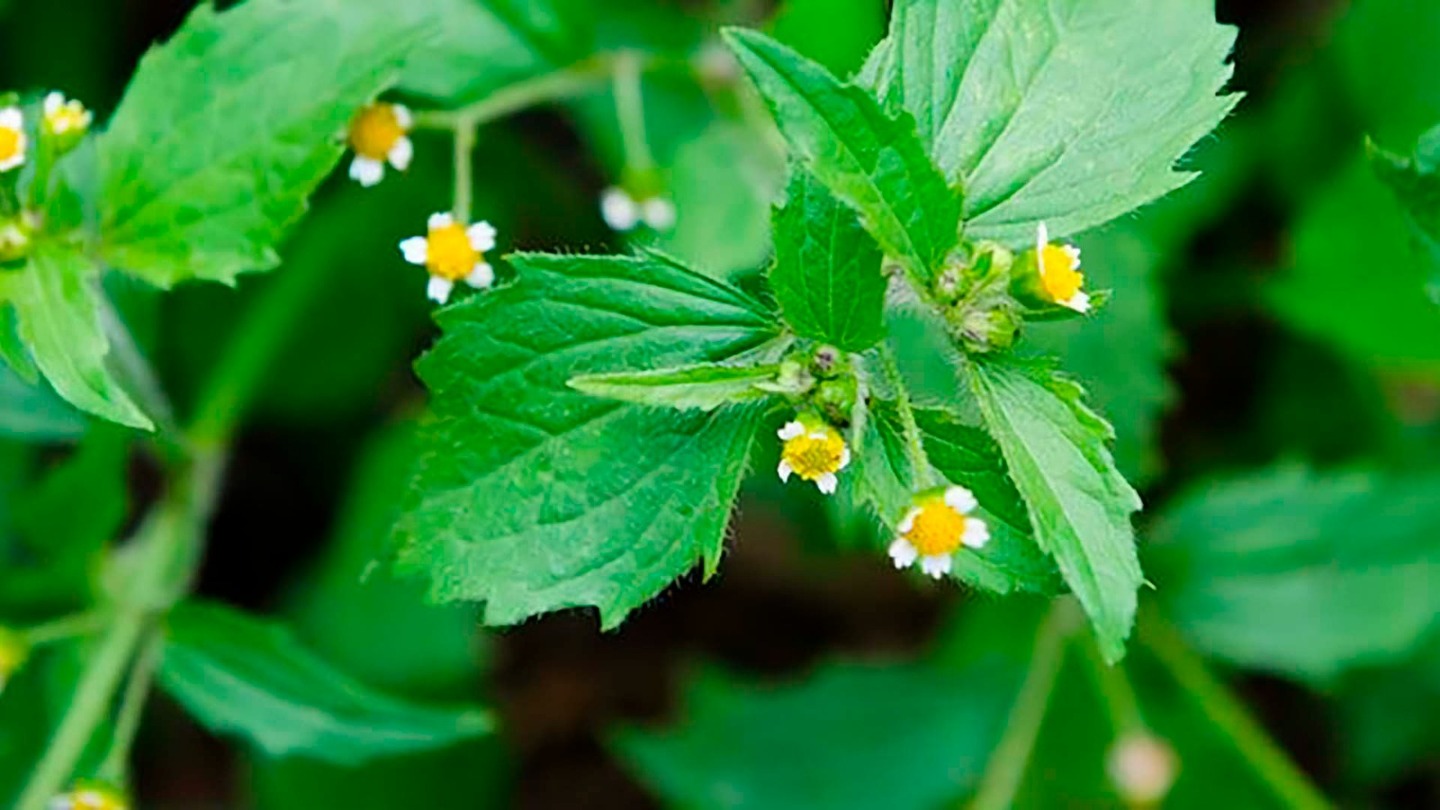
534	497
34	412
58	304
1287	570
827	276
703	388
1386	714
239	675
486	45
850	736
1071	112
870	161
227	129
1080	506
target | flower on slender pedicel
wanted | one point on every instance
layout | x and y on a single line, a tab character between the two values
937	525
623	212
380	133
452	252
12	138
813	450
13	653
1143	768
63	117
91	796
1059	268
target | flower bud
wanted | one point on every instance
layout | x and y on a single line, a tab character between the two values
1143	768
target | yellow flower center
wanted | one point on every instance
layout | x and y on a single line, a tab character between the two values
96	799
375	130
12	143
811	457
1059	273
448	252
937	529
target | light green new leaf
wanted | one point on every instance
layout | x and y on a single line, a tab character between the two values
240	675
870	161
1071	112
484	46
535	497
703	388
57	302
827	277
34	412
227	128
1290	571
1057	452
1415	180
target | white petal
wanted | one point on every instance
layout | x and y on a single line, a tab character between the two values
416	249
1074	253
439	289
401	154
365	171
1042	238
792	430
976	535
1080	302
960	499
12	162
403	116
903	553
53	102
659	213
481	277
62	803
936	565
845	458
12	118
785	470
482	236
827	483
908	522
620	212
438	221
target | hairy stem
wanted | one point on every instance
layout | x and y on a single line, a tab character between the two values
914	443
1223	709
1011	757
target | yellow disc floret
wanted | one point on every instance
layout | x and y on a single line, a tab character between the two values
936	528
813	450
375	130
1059	269
938	524
449	253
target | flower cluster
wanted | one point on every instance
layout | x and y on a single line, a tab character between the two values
1058	268
814	451
938	525
451	252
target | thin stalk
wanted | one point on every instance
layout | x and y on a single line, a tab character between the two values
630	112
914	443
1250	740
132	707
464	170
1006	769
1116	691
567	83
63	628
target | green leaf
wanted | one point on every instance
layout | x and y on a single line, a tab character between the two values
1079	504
1288	570
60	312
226	130
1381	318
870	161
484	46
827	276
1385	50
533	496
868	736
240	675
1071	112
702	388
34	412
1415	181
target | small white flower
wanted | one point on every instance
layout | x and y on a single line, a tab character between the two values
937	526
659	213
452	252
624	213
1059	270
813	450
13	141
379	133
1143	768
62	116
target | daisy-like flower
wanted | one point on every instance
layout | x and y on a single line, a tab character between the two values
935	528
1059	269
13	652
380	133
624	213
814	451
63	117
452	252
12	138
90	796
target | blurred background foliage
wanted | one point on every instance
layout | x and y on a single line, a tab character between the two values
1271	360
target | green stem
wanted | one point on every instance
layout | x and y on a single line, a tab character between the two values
132	708
464	171
1250	740
1006	769
567	83
630	112
914	442
1116	691
63	628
